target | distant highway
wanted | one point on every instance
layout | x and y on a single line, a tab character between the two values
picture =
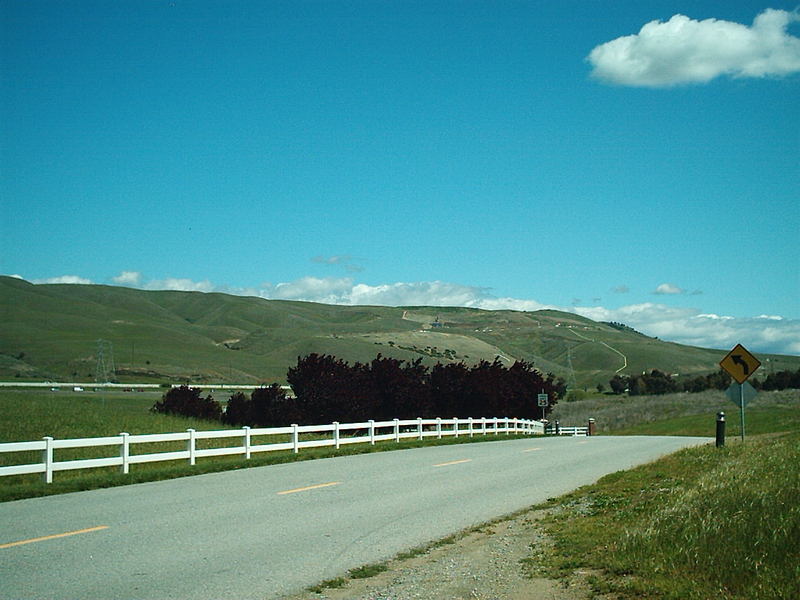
125	386
271	531
86	386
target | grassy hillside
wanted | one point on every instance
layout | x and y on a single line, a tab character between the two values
51	332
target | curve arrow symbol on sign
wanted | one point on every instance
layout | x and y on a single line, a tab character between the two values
740	364
737	358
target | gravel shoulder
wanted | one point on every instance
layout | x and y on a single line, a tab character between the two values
483	564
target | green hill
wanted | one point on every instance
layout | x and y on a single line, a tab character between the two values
52	332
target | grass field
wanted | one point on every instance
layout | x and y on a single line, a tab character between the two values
32	414
703	523
682	414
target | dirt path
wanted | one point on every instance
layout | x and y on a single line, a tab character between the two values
483	565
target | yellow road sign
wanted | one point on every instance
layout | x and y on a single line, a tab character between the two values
740	363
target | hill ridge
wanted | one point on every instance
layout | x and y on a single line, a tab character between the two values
51	331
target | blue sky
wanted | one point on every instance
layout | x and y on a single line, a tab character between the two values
607	158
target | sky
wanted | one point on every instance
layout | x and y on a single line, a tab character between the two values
634	161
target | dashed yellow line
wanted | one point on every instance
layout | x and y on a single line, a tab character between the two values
53	537
455	462
532	449
310	487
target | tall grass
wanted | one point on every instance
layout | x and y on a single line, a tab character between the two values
703	523
621	414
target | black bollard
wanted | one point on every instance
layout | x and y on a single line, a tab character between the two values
720	429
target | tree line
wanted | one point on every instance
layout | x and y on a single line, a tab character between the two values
328	389
655	382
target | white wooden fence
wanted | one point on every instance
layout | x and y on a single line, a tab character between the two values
553	429
335	434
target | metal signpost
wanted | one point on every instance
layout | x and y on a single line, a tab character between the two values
740	365
544	401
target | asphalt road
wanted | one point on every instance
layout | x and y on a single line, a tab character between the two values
271	531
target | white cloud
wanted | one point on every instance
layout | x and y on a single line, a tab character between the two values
180	285
684	51
425	293
668	289
312	289
128	279
71	279
691	326
421	293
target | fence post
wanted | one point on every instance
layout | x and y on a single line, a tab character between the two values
483	425
336	434
439	428
246	441
372	431
496	426
590	431
419	427
397	430
295	438
455	426
191	446
47	459
124	451
471	430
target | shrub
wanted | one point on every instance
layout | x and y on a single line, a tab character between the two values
188	402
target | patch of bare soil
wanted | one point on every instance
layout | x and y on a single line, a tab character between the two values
483	565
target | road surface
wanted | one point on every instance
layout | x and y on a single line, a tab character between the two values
271	531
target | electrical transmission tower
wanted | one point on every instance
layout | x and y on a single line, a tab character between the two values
105	371
571	382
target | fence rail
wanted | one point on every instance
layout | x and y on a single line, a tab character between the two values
555	429
335	434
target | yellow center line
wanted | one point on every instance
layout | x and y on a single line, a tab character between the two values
531	449
53	537
455	462
310	487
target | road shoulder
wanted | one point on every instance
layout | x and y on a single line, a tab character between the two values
482	564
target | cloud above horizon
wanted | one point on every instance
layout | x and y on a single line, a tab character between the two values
686	51
346	261
68	279
690	326
668	289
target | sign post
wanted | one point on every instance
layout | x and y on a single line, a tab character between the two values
740	364
543	401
